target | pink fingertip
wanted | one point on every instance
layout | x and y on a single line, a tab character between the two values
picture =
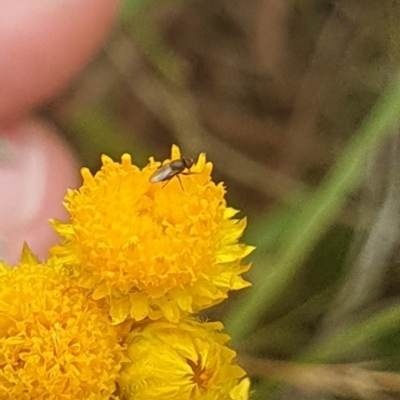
43	44
36	169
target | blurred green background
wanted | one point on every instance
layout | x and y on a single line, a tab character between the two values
296	103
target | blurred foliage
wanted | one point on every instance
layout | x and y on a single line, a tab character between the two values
315	215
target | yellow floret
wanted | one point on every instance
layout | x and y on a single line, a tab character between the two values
185	361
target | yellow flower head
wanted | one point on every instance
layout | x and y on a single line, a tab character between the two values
186	361
55	343
153	250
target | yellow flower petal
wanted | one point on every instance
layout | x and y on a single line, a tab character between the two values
27	257
139	306
187	361
175	152
241	391
152	249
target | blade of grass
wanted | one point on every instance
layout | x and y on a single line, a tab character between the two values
382	323
316	215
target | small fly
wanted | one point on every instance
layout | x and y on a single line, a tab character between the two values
174	168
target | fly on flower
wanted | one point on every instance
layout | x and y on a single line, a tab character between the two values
174	168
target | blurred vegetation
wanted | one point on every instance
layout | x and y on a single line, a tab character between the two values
296	103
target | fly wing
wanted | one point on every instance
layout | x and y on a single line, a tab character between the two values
162	174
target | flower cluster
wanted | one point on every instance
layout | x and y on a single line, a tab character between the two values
56	343
113	312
